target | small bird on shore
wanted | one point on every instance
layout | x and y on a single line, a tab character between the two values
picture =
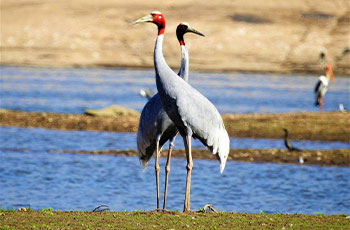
287	142
192	113
322	86
155	127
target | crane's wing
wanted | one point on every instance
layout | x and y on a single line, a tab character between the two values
317	86
154	123
320	88
321	84
201	116
147	129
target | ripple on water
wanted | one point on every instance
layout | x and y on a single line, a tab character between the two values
74	90
82	182
21	139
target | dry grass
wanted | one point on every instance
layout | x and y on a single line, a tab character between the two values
326	126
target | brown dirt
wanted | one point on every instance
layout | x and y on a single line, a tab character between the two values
339	157
326	126
241	35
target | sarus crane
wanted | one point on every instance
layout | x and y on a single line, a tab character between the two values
192	113
322	86
155	127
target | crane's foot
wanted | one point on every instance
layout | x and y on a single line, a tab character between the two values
159	210
209	208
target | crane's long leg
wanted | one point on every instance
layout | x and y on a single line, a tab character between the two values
321	103
187	143
157	168
167	170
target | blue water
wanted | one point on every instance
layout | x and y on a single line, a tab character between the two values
82	182
32	174
21	139
74	90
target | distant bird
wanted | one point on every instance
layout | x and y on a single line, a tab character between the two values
287	143
322	56
301	160
192	113
341	108
147	93
322	86
155	127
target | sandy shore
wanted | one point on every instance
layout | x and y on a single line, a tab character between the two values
241	35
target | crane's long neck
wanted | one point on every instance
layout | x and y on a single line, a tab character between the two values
184	69
164	73
160	64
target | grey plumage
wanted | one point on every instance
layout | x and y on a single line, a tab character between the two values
155	125
193	114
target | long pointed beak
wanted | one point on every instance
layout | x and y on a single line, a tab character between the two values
147	18
191	30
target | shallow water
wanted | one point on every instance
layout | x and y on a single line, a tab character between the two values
74	90
82	182
32	175
51	140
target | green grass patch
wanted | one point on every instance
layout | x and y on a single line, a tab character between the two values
166	220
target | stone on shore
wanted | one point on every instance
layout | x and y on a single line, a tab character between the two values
113	110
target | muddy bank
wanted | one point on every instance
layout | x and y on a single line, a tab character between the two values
325	126
241	35
338	157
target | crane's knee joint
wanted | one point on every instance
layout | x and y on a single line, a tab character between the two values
189	167
167	168
157	168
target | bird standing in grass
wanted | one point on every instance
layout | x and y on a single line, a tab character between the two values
192	113
155	127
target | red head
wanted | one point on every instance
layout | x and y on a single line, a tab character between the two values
155	17
183	28
329	72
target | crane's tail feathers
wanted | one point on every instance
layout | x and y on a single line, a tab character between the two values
144	164
144	159
223	149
